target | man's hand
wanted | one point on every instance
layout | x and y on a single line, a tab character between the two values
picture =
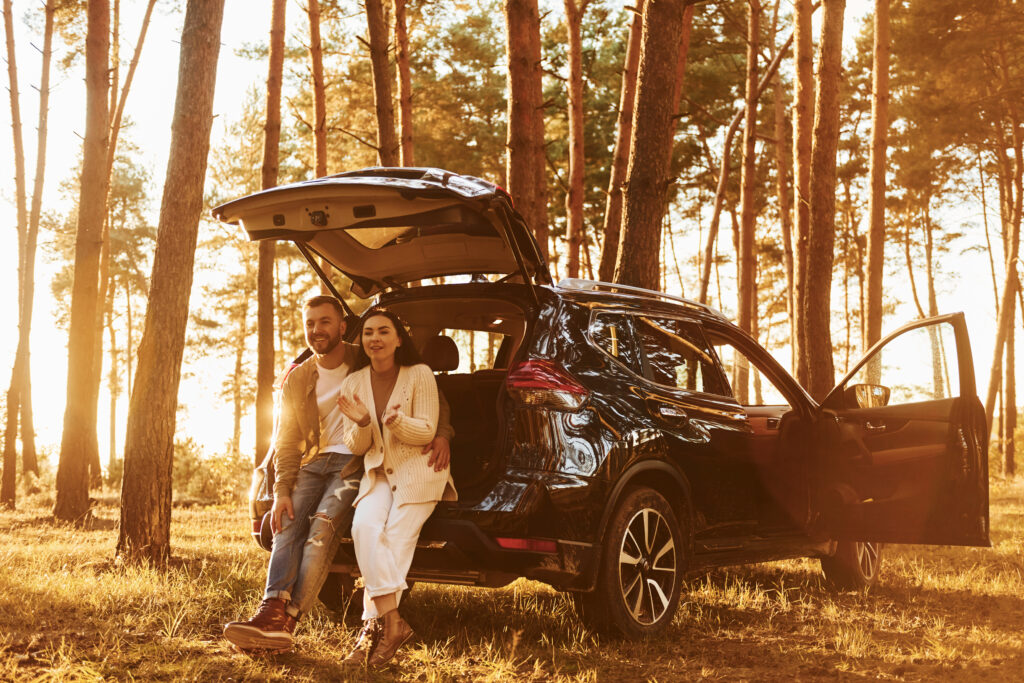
440	453
282	504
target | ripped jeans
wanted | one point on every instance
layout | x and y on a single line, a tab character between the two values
304	548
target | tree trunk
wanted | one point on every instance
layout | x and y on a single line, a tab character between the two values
79	436
647	180
267	248
114	387
387	137
525	164
1012	235
144	533
803	124
1009	405
116	113
8	484
879	141
822	235
404	85
783	177
574	11
723	176
316	57
620	156
746	257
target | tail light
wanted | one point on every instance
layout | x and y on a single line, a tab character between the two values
534	545
539	382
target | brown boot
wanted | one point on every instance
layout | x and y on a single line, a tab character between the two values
365	644
269	629
396	632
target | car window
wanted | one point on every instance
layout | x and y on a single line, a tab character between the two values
477	349
750	386
678	355
919	365
613	334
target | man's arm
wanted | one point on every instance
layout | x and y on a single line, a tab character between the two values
440	447
288	443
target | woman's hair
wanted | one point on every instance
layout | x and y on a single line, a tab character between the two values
405	354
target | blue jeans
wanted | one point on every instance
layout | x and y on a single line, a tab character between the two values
304	548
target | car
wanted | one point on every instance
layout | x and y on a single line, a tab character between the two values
612	441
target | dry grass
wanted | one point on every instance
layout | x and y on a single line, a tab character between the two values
66	613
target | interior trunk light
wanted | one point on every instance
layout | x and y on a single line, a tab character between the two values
539	382
535	545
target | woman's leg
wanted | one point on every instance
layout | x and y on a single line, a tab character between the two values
402	531
368	524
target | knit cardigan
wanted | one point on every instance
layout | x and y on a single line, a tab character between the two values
397	448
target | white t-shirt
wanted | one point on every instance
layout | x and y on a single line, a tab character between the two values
327	385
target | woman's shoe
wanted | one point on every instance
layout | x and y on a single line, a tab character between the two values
365	645
395	633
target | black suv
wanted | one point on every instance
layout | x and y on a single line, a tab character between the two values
611	440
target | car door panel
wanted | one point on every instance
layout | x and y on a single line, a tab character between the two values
915	471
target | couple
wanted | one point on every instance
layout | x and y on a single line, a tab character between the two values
356	424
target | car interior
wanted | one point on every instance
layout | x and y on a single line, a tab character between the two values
469	343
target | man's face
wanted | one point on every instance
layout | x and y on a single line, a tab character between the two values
324	328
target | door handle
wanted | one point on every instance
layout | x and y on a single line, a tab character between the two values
671	411
874	426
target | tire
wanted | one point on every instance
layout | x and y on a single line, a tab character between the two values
641	569
339	595
854	566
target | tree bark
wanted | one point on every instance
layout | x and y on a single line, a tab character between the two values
387	137
404	85
267	248
79	436
747	258
803	125
1012	223
620	155
822	234
8	483
783	174
879	142
144	534
316	57
665	21
723	176
574	11
526	164
1009	405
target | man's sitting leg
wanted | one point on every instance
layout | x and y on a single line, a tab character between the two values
271	627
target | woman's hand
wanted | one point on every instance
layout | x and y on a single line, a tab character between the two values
391	414
354	409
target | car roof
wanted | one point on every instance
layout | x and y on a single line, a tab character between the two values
610	292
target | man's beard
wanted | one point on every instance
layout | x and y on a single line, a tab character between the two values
331	344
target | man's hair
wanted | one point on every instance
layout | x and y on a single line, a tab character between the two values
321	299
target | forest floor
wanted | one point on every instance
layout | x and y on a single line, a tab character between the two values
939	613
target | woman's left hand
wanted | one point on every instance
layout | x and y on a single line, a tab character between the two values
391	414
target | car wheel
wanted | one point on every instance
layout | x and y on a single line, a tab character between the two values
641	573
339	594
853	566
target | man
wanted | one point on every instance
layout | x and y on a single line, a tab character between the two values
316	480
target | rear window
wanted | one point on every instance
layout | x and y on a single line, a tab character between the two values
678	356
613	334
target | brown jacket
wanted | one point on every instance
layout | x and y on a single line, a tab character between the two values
297	439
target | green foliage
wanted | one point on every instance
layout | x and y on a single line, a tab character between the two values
209	479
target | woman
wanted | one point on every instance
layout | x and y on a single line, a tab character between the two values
390	406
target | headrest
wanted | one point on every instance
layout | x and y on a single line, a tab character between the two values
441	354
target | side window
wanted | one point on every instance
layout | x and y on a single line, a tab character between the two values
749	385
917	366
613	334
678	356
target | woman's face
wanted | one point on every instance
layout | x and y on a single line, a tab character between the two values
380	339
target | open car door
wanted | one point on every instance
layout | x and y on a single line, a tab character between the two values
904	443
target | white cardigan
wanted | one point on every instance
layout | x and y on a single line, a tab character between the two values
397	447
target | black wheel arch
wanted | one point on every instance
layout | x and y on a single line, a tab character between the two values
664	478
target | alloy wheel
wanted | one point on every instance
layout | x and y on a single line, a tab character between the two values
867	555
647	566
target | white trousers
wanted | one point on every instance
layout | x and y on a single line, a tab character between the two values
384	536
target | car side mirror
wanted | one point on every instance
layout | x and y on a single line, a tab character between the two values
867	395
